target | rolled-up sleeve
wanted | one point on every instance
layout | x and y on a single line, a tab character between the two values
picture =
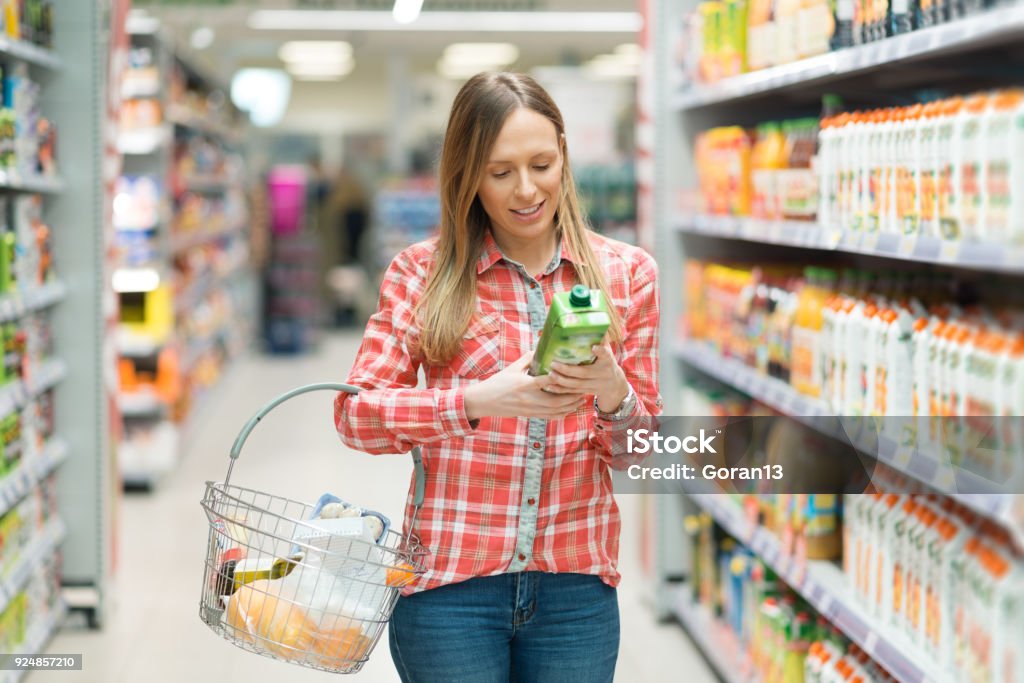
390	415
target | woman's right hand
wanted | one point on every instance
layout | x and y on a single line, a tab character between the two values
512	392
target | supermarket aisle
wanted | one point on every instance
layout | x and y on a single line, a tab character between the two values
155	634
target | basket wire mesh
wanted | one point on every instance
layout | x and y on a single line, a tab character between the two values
294	589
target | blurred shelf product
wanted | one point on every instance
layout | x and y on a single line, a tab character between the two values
182	220
405	212
846	275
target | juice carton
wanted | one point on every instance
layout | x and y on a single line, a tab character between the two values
577	320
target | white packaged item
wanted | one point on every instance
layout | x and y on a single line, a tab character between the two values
882	565
998	162
1015	220
929	168
972	167
895	572
948	152
853	399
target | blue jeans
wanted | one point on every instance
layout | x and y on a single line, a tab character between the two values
529	627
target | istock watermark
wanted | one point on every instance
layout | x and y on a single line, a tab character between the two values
644	441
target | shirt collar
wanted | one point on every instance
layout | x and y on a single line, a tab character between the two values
491	254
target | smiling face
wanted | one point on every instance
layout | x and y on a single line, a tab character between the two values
522	180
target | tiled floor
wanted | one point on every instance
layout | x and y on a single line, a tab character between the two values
153	633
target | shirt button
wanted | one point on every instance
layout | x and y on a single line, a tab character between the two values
536	445
533	285
522	558
532	501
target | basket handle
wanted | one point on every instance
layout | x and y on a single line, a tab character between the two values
236	448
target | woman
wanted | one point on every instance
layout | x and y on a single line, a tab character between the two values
518	516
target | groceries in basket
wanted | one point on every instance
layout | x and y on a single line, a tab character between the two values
268	613
318	604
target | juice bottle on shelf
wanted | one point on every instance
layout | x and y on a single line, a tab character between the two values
1015	174
711	18
901	17
928	166
1010	621
760	34
913	153
815	27
844	130
787	30
917	574
902	516
807	333
1000	164
797	647
961	568
880	562
892	163
843	15
799	186
825	173
971	127
766	160
735	38
948	151
1010	371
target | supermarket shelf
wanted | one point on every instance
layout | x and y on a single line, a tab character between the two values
140	89
27	52
826	588
186	242
14	306
141	404
719	645
991	27
12	180
809	235
142	142
16	485
987	498
41	547
16	395
37	638
207	183
184	118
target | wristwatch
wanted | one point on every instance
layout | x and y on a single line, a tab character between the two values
624	410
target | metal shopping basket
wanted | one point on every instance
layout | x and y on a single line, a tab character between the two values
309	592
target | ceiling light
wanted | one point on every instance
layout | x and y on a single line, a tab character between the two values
264	93
406	11
481	53
458	71
315	51
474	22
313	69
202	38
610	68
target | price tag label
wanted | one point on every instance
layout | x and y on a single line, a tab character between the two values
907	245
870	242
833	238
902	456
871	643
825	605
945	478
949	251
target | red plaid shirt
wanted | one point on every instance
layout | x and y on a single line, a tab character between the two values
508	494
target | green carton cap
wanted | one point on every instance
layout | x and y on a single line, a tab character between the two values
579	295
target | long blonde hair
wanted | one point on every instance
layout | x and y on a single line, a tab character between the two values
449	301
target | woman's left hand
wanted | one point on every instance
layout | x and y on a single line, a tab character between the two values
603	378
